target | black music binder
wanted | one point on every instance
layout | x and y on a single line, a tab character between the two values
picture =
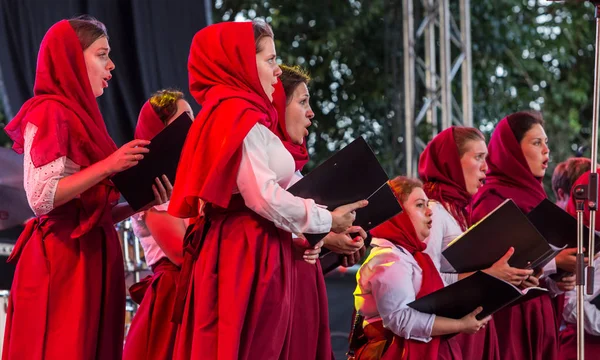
135	183
487	241
351	174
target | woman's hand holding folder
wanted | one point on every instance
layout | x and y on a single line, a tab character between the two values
343	216
502	270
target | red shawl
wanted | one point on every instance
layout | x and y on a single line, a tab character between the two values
441	170
67	116
148	124
401	231
508	177
299	152
571	206
224	81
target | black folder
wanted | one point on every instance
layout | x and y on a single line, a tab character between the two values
135	183
480	289
351	174
487	241
557	226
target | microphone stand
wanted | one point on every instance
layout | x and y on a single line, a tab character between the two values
589	194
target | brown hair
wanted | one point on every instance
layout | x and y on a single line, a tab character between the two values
164	103
402	186
520	122
261	30
567	172
463	135
291	77
88	29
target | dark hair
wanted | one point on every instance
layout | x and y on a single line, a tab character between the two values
88	29
164	103
567	172
291	77
402	186
520	122
261	30
462	136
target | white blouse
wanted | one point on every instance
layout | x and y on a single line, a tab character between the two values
387	281
152	252
41	182
266	170
444	229
591	313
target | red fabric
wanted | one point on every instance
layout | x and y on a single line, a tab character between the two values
401	231
568	344
239	303
68	296
148	124
299	152
508	177
67	116
67	300
441	171
224	81
310	335
528	330
152	334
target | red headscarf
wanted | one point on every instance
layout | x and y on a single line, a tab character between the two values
67	116
401	231
441	170
224	81
571	206
509	176
148	124
299	152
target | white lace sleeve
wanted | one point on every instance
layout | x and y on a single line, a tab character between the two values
41	182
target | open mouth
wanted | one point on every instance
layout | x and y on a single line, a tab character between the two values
430	224
545	164
481	181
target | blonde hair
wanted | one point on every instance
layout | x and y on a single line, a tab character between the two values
402	186
164	103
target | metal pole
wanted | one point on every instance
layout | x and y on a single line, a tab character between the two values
430	68
580	275
467	76
445	63
409	82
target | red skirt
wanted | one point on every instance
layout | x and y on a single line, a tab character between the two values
483	345
67	299
528	330
238	303
152	334
382	344
568	344
310	337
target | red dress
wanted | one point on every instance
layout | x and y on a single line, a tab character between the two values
528	330
238	302
310	337
68	296
441	171
152	334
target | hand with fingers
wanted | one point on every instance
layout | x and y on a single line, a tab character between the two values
162	190
502	270
532	280
349	260
470	324
312	255
126	156
343	243
566	283
567	259
343	217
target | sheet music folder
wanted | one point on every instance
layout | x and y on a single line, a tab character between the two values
135	183
351	174
557	226
480	289
487	241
